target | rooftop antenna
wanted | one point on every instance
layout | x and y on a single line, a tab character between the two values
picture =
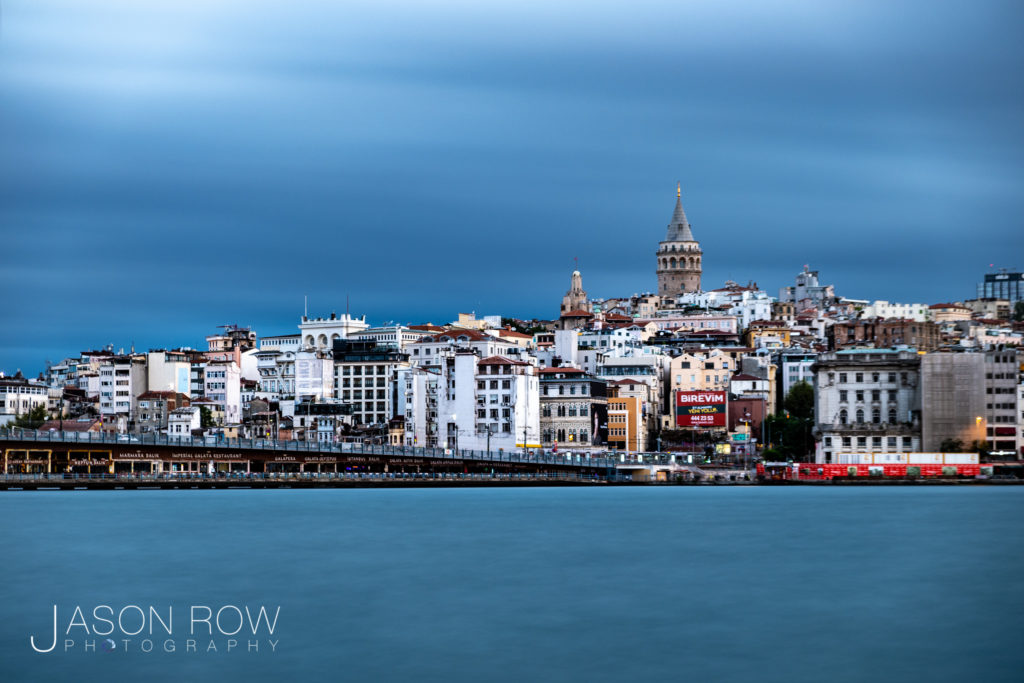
305	306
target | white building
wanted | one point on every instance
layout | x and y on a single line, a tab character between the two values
320	333
365	377
222	385
430	350
314	374
867	401
168	371
181	421
885	309
122	380
19	396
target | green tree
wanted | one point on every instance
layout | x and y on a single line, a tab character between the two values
206	417
33	419
951	446
1018	311
799	401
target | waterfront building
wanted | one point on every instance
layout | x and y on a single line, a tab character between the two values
573	408
19	396
365	377
122	380
222	385
867	401
792	366
952	399
155	408
627	426
181	422
1003	415
679	255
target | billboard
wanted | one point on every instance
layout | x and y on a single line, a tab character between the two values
701	408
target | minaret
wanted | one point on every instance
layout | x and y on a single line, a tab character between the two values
679	255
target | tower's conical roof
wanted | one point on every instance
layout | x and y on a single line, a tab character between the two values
679	227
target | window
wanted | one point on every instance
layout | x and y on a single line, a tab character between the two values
846	442
860	415
890	443
892	416
862	442
892	377
842	395
843	416
892	396
876	416
876	442
842	377
860	377
876	395
874	376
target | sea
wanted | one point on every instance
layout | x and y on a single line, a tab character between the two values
656	583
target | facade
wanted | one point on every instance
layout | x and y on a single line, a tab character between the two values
679	256
1002	285
573	408
627	428
431	350
952	399
320	333
122	380
155	408
884	334
168	371
222	385
182	422
398	336
1002	416
867	401
365	377
792	366
807	293
884	309
19	396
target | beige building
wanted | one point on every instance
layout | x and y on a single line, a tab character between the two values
627	430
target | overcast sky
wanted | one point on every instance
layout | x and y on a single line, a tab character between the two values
167	167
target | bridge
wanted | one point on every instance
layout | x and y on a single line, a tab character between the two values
35	456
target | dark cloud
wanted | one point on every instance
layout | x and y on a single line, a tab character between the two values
166	168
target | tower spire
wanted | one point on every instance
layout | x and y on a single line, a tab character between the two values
679	190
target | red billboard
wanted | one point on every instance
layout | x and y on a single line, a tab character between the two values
701	408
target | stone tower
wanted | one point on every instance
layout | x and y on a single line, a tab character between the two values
678	256
575	299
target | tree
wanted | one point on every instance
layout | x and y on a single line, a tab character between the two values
951	446
206	417
799	401
1018	311
33	419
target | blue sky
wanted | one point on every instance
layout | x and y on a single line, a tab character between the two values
167	167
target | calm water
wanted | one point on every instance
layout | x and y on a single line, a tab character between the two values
763	584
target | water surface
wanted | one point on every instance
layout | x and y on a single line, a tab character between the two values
638	584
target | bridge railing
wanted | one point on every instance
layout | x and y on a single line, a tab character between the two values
530	456
245	477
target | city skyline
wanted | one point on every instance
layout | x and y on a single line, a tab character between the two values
172	169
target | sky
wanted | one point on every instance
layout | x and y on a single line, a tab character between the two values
167	167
